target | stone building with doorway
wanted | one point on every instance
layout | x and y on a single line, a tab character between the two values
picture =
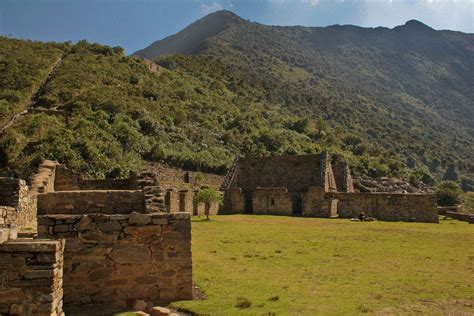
310	185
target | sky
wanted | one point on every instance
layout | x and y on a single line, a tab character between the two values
134	24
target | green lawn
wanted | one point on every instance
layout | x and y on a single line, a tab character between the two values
309	266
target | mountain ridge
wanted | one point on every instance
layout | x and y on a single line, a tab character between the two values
408	89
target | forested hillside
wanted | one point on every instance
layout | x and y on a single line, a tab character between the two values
407	89
104	113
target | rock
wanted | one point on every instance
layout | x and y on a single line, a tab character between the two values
110	226
4	233
160	311
139	305
85	224
139	219
16	310
129	254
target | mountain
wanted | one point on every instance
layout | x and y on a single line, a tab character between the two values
104	114
406	89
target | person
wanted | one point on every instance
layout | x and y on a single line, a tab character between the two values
362	217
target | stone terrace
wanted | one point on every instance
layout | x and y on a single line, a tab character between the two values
121	246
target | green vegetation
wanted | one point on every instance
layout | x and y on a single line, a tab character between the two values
407	89
208	196
448	193
115	113
468	202
330	267
23	66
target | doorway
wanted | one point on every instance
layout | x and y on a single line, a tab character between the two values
248	204
297	205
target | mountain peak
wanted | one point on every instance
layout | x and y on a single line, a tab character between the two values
416	25
190	39
223	13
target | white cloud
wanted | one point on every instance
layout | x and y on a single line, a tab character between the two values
288	2
207	8
311	2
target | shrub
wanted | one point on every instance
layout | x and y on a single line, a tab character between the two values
208	196
448	193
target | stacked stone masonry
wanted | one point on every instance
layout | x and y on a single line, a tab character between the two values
88	202
112	260
17	205
181	179
67	180
389	207
31	277
121	245
464	217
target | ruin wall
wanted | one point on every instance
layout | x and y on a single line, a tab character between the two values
172	201
182	179
272	201
296	173
387	206
68	180
343	177
87	202
112	260
464	217
317	204
31	277
234	202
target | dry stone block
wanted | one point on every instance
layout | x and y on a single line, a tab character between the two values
139	219
160	311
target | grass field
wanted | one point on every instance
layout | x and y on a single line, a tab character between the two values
309	266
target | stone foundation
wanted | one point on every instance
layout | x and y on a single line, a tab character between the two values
31	277
112	260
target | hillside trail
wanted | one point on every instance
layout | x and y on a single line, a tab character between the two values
36	95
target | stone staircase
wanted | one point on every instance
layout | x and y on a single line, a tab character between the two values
230	175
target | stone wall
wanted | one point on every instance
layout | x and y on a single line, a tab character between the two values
31	275
442	210
317	204
68	180
87	202
186	201
234	202
18	206
172	201
296	173
464	217
387	206
274	201
343	177
112	260
182	179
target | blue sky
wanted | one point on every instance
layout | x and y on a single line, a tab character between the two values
133	24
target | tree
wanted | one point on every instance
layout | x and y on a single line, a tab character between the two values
208	196
448	193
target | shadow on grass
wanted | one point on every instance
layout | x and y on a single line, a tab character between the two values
201	220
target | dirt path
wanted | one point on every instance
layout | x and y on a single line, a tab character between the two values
36	95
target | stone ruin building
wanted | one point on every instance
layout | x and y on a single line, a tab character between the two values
86	246
309	185
89	247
